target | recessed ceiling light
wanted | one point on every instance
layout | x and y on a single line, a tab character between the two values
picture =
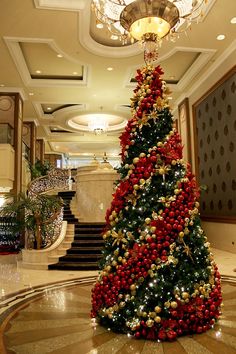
2	85
38	71
172	77
31	93
75	73
114	37
233	20
49	108
99	25
59	55
110	68
220	37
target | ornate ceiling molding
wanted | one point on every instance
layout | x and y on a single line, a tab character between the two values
13	44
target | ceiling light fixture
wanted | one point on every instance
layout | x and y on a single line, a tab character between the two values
147	21
98	124
233	20
38	71
221	37
110	68
59	55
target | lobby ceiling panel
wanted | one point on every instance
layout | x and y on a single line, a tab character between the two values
60	39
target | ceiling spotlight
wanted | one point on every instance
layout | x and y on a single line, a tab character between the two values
31	94
49	108
2	85
110	68
75	73
114	37
99	25
38	71
59	55
147	21
233	20
220	37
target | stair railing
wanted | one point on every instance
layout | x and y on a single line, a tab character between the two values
51	227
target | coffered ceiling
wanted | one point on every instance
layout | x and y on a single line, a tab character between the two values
68	71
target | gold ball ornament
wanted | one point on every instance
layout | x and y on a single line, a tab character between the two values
173	304
136	187
135	160
142	154
149	323
157	309
157	319
142	181
147	221
132	287
185	295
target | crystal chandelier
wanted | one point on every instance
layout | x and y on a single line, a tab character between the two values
98	125
148	21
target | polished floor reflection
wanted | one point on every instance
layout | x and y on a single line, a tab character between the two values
57	321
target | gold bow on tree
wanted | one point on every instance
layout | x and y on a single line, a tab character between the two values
118	237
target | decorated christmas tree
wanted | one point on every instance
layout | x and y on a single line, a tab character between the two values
158	279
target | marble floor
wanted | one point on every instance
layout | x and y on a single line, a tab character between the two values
48	312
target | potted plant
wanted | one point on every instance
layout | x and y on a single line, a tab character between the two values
33	215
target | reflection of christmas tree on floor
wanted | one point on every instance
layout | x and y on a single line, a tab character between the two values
158	278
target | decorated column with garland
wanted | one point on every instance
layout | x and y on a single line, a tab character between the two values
158	278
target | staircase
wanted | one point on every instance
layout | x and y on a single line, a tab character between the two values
67	214
86	248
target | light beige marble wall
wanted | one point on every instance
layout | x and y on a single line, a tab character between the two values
94	193
221	236
6	166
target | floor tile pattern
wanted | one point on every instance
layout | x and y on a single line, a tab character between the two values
57	321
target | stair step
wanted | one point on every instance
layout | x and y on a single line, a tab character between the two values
91	225
84	250
80	258
74	266
87	231
80	243
88	235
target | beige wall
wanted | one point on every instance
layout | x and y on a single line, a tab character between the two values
221	235
7	166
